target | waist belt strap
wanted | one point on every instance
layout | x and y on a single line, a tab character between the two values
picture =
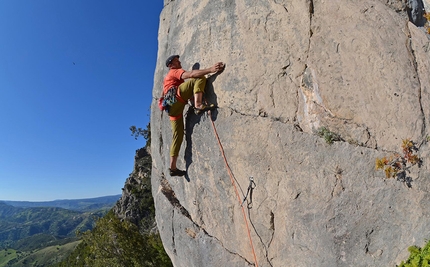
175	118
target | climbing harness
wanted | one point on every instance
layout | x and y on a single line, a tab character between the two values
251	187
169	98
166	101
235	188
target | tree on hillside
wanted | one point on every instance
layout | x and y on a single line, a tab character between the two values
118	243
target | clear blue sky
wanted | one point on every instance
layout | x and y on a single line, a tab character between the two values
74	76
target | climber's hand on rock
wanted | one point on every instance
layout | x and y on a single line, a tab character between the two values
218	67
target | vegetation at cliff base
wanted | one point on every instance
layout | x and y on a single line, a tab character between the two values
127	234
117	243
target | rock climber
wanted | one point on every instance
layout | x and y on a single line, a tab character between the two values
194	86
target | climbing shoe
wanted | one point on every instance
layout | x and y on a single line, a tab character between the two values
204	108
177	172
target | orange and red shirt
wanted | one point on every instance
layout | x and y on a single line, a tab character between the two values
173	78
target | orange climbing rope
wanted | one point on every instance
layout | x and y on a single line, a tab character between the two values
235	188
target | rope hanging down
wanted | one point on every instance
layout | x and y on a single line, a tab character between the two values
235	188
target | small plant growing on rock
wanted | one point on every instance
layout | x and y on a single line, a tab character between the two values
397	165
328	136
419	257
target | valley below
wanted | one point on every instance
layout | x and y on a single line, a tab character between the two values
44	233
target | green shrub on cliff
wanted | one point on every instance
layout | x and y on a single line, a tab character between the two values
113	242
398	165
419	257
328	135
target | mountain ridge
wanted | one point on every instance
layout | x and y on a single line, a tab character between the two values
84	204
53	219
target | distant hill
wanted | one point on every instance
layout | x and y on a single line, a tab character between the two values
29	227
41	224
83	205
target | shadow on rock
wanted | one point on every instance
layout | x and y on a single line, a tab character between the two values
192	119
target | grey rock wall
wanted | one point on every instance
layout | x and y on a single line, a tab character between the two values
358	68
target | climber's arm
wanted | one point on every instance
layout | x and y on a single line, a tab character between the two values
199	73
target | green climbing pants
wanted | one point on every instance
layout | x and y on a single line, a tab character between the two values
186	90
178	136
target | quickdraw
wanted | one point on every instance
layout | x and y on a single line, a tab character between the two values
251	187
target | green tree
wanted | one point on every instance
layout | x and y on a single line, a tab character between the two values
114	243
145	133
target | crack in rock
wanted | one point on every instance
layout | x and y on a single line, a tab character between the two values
376	253
272	227
417	74
338	187
168	192
311	14
173	232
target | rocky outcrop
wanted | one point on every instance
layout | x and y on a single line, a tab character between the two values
136	203
357	68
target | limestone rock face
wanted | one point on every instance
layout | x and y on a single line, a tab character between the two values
357	68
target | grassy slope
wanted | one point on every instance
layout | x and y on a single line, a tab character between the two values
6	256
43	257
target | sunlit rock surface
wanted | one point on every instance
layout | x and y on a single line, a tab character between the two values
358	68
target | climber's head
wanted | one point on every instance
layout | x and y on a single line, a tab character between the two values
173	62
